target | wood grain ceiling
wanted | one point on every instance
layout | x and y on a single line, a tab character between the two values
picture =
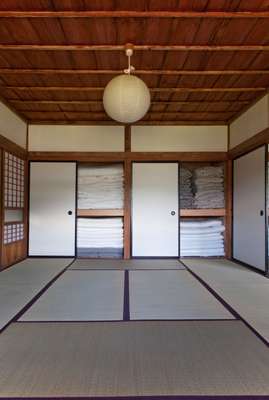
205	61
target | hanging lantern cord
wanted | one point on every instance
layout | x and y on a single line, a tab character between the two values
130	69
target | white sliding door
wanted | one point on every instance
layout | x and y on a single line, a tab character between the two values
155	210
52	209
249	223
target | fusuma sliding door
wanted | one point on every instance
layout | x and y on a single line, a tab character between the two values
155	217
249	209
52	209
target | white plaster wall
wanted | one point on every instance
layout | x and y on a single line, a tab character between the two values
253	121
12	127
76	138
179	138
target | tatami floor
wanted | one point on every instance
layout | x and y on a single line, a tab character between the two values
115	328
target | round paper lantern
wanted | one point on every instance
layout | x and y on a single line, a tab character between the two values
126	98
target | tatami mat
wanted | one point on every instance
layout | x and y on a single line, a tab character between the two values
127	264
171	295
245	290
81	296
134	359
21	282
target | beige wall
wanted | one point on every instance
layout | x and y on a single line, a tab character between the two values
76	138
250	123
179	138
12	127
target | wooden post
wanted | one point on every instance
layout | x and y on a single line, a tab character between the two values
127	194
229	205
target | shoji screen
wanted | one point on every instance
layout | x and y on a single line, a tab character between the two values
155	210
249	214
52	209
13	198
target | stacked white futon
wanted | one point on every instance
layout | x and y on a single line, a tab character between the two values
100	237
202	238
186	194
100	186
209	187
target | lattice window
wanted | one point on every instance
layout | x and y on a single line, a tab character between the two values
13	232
13	181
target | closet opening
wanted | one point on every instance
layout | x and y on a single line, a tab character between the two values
100	210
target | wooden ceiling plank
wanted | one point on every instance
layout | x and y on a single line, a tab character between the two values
52	71
91	102
142	47
108	122
102	113
133	14
153	90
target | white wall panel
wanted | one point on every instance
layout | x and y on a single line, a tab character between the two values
179	138
76	138
52	195
253	121
12	127
249	227
154	196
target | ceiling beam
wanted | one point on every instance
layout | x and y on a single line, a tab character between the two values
134	14
52	71
96	102
153	90
118	47
108	122
154	113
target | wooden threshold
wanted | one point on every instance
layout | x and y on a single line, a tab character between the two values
100	213
208	212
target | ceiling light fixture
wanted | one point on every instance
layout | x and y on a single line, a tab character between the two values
126	97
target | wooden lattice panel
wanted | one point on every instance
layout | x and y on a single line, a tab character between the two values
13	232
13	181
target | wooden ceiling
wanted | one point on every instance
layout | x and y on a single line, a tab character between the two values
205	61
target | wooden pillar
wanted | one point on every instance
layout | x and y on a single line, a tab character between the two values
228	206
127	138
1	206
127	194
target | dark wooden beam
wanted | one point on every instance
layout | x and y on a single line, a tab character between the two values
134	14
133	156
116	47
250	144
153	90
12	147
93	102
110	122
53	71
247	107
102	113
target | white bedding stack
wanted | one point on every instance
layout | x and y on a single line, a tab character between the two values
103	232
100	186
209	187
186	194
202	238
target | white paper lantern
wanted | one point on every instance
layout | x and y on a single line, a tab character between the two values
126	98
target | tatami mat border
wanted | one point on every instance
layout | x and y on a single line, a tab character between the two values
225	304
169	397
35	298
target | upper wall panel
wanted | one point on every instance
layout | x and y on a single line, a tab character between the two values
179	138
76	138
253	121
12	127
